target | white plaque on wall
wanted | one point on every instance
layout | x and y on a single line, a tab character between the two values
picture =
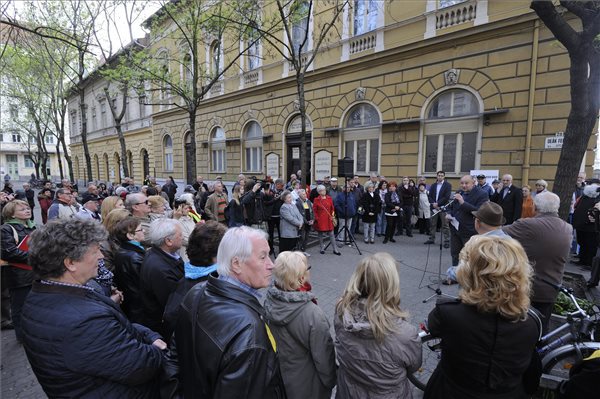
322	164
273	165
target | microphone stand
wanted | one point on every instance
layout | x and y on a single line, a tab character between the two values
437	291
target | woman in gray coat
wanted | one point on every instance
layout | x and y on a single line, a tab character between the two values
290	223
301	331
376	347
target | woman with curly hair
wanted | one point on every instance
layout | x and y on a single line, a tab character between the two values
376	347
488	334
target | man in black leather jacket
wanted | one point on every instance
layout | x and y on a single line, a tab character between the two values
225	347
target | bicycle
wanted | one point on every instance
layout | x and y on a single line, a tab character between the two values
558	355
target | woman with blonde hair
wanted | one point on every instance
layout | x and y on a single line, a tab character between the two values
110	203
528	210
157	207
301	330
376	347
235	211
488	334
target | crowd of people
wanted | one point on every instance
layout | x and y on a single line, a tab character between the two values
135	292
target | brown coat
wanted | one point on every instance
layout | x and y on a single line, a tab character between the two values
547	240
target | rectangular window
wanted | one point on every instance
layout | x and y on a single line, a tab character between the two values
11	158
16	138
103	114
94	120
365	16
49	139
469	152
448	3
142	102
449	152
431	150
169	162
365	154
254	159
28	162
1	137
218	160
14	111
74	129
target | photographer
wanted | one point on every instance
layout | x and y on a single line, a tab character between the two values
587	232
274	219
252	201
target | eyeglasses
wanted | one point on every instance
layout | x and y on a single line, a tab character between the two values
308	268
145	203
139	230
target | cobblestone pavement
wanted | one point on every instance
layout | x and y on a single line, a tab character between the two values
417	265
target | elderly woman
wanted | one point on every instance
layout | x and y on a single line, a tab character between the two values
324	216
381	190
290	223
376	347
541	186
158	206
17	273
78	342
301	331
128	261
371	206
393	211
528	210
487	361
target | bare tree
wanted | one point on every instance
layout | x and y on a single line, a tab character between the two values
582	41
181	80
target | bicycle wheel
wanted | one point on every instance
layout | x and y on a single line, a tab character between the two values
432	353
559	362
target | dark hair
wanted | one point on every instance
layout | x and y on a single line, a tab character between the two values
440	171
204	243
60	239
422	184
151	191
125	226
381	184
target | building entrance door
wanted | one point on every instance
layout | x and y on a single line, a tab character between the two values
294	152
145	163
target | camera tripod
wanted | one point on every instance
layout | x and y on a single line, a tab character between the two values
348	236
436	287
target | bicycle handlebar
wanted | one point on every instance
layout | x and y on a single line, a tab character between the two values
568	292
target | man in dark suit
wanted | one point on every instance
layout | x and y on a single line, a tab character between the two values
468	199
510	198
439	195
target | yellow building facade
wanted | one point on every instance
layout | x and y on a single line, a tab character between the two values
406	89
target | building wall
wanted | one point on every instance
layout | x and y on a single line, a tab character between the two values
400	73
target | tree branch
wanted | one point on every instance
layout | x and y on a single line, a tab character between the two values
557	24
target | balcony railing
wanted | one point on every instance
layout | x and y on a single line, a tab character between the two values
363	43
251	77
456	14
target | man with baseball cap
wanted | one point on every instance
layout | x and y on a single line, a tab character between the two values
482	184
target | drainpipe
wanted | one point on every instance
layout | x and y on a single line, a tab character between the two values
532	81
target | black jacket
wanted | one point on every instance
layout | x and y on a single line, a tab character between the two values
370	205
444	196
235	214
158	279
389	205
253	207
473	200
80	345
128	261
512	203
223	346
408	195
15	277
483	354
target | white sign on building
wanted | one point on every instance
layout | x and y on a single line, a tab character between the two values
322	164
554	142
273	165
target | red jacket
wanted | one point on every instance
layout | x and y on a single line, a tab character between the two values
324	210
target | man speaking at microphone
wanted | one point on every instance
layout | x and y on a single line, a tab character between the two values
462	221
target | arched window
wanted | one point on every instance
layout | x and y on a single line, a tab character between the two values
168	151
253	147
451	133
217	150
362	138
145	162
106	167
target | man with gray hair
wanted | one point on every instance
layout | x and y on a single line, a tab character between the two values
161	271
546	239
137	204
225	347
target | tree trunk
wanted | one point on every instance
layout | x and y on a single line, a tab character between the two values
192	113
60	165
302	108
84	143
118	119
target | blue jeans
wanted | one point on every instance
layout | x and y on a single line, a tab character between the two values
381	223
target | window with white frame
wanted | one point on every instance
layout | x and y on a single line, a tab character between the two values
365	16
74	127
49	139
253	55
14	111
16	138
215	57
103	117
452	133
187	71
168	151
163	59
94	119
448	3
142	104
362	135
299	16
28	161
217	150
253	142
